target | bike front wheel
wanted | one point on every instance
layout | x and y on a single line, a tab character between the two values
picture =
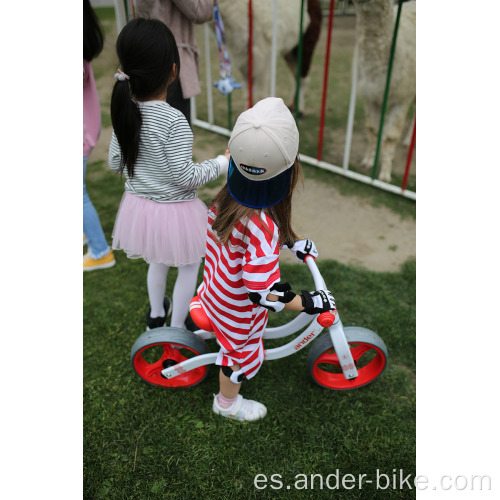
368	351
161	348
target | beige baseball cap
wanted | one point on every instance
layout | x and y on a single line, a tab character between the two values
263	145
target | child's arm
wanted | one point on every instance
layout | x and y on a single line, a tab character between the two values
294	305
283	298
182	171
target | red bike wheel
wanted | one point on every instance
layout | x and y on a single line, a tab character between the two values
368	351
160	348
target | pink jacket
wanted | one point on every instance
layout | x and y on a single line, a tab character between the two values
180	16
91	110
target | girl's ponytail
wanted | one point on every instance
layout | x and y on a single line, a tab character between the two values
127	120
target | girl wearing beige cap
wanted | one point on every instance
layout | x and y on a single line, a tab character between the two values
249	221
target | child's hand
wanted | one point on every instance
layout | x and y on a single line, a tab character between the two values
317	302
302	248
224	165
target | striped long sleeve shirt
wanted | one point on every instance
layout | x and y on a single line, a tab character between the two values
248	263
164	171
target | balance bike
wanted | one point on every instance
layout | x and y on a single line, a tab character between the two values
345	358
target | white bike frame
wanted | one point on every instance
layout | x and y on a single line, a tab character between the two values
314	328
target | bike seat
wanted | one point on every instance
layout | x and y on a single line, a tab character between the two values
199	316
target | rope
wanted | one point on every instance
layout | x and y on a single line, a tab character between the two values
227	83
224	64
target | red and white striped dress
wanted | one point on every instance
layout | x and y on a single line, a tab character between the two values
247	263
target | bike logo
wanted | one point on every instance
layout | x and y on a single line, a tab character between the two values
304	341
252	170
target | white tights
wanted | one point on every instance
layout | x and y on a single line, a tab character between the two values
184	288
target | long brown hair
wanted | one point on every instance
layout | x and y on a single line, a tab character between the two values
229	212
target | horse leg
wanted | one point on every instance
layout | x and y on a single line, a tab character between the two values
372	118
393	129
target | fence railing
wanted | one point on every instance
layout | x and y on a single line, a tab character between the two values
125	10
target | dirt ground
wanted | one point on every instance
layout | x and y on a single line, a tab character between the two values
357	233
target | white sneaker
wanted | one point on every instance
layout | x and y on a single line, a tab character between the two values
242	409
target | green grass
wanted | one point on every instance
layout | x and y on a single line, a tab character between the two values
145	442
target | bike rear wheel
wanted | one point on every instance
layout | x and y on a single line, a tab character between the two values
160	348
368	351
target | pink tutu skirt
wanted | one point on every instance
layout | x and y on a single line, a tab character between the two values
170	233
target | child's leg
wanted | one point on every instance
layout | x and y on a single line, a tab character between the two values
228	389
184	289
92	225
157	283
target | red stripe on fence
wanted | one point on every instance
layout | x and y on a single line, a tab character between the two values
410	156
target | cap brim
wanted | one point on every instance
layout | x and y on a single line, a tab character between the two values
257	194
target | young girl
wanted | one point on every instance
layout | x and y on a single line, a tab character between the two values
248	223
160	217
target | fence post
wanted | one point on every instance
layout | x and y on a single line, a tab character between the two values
386	92
299	60
409	157
250	54
352	109
325	80
121	18
272	90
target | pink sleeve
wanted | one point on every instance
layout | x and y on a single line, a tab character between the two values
91	110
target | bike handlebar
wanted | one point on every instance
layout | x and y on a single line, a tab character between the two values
326	319
319	283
